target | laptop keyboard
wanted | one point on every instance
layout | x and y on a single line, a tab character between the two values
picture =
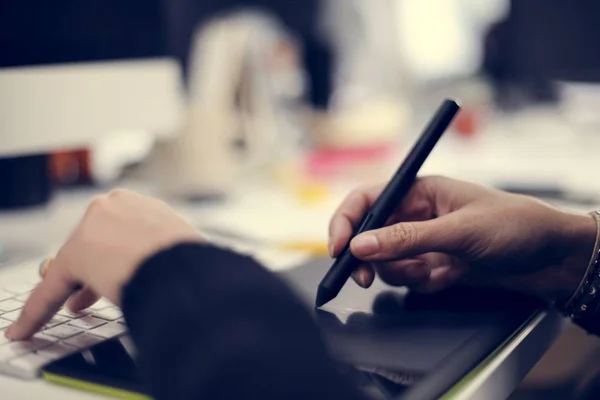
64	334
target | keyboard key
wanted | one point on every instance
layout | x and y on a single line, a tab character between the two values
46	338
87	322
84	341
108	314
10	305
35	343
7	352
64	312
63	331
56	320
3	339
20	288
30	364
56	351
23	297
4	295
101	305
12	316
3	325
109	330
14	349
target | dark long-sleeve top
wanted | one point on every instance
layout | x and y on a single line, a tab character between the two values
212	324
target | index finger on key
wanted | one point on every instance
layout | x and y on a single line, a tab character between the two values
45	300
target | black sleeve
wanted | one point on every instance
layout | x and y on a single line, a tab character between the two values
212	324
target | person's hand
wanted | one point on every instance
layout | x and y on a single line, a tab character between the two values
447	231
118	232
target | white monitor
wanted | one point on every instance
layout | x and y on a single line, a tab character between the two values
61	106
71	72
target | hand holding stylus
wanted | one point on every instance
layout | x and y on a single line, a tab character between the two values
387	200
445	231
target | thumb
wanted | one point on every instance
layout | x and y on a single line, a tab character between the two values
408	239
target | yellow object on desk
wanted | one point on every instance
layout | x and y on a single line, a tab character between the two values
317	249
313	193
304	189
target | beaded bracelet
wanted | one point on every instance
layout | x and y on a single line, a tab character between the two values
585	302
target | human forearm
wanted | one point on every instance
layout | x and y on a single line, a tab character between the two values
210	323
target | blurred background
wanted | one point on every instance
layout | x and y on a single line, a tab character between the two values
254	118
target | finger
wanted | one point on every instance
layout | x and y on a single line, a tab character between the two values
440	278
43	303
364	275
348	215
340	231
436	260
417	205
82	300
446	234
404	272
411	272
420	202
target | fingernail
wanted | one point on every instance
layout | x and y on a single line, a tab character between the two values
359	277
331	248
365	245
43	269
9	332
362	278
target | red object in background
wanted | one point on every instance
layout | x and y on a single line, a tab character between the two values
328	161
69	168
466	123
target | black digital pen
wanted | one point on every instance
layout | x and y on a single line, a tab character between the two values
388	200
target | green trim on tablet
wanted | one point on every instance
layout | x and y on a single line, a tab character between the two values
457	390
93	387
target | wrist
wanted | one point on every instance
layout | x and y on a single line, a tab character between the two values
124	275
579	236
569	250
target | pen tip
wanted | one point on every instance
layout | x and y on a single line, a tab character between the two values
323	296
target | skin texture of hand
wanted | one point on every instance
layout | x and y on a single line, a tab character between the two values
118	232
447	232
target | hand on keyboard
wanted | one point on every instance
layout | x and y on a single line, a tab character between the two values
116	234
66	333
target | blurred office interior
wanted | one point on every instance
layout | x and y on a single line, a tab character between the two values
257	117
